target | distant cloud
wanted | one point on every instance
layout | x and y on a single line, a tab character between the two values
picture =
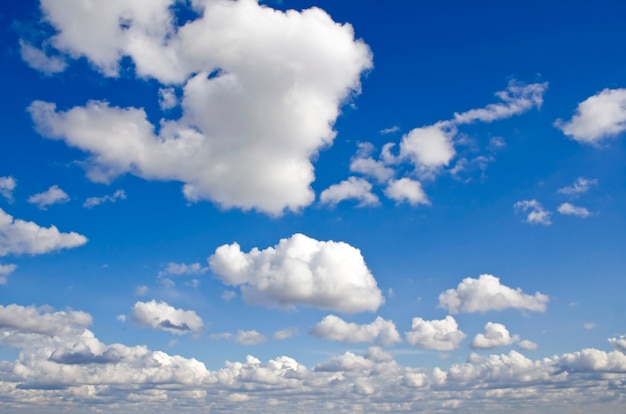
442	335
5	271
619	343
53	195
250	337
160	315
391	130
38	60
527	345
597	118
406	190
7	185
351	189
572	210
580	186
96	201
141	290
496	334
25	237
285	333
300	271
589	326
487	294
380	331
179	269
536	213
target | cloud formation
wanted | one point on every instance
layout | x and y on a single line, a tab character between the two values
160	315
536	213
496	334
300	271
572	210
261	90
580	186
406	190
487	294
442	335
380	331
53	195
352	188
96	201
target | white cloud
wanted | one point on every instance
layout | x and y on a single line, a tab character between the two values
165	317
536	213
372	168
619	343
141	290
7	185
496	334
352	188
96	201
6	270
406	190
262	89
597	118
380	331
442	335
589	326
518	98
42	321
38	60
285	333
25	237
300	271
249	338
580	186
572	210
527	345
53	195
429	147
167	98
487	294
390	130
179	269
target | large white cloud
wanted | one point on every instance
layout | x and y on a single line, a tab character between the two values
160	315
496	334
597	118
262	89
25	237
380	331
442	335
487	294
300	271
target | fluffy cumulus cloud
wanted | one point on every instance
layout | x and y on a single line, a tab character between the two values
429	147
25	237
365	164
406	190
442	335
580	186
96	201
300	271
537	214
380	331
63	367
597	118
572	210
160	315
351	189
496	334
7	185
53	195
261	90
487	294
527	345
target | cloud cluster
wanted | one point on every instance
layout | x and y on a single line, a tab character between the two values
487	294
537	214
300	271
380	331
160	315
53	195
442	335
261	90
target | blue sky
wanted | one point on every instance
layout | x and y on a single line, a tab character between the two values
218	205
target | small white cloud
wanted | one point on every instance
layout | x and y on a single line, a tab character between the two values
597	118
372	168
229	295
429	147
180	269
53	195
167	98
572	210
165	317
406	190
38	60
96	201
121	318
496	143
527	345
249	338
380	331
141	290
25	237
351	189
300	271
285	333
580	186
5	271
536	213
442	335
487	294
589	326
496	334
7	185
391	130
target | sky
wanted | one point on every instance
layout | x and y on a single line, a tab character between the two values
344	206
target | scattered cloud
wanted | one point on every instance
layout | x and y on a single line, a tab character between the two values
430	147
527	345
496	334
179	269
167	98
597	118
286	333
380	331
353	188
619	343
96	201
300	271
40	61
363	163
7	185
391	130
53	195
580	186
406	190
442	335
487	294
249	338
160	315
25	237
5	271
536	213
572	210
